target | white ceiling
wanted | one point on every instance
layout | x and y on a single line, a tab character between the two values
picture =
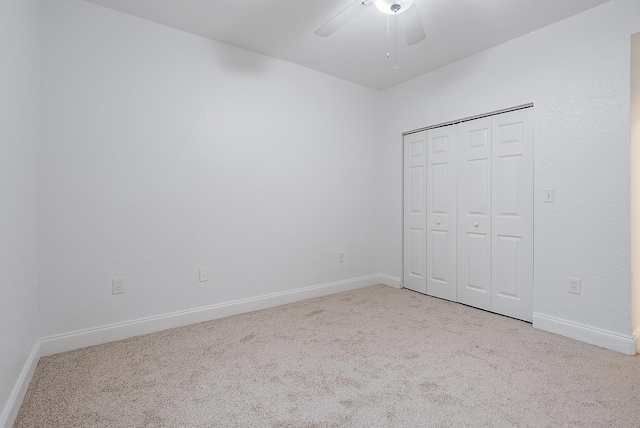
356	52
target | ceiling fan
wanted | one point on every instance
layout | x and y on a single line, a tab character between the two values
404	10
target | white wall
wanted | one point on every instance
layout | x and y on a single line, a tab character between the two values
19	130
577	74
635	182
164	152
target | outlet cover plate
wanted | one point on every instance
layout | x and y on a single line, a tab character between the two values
575	285
117	286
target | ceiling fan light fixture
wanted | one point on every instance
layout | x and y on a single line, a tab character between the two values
392	7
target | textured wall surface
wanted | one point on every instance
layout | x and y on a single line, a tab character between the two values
164	152
576	72
19	128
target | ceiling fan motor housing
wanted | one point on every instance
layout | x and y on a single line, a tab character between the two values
392	7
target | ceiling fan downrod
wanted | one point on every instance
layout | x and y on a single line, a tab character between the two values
394	8
395	44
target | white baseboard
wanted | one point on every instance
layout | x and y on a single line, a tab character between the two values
636	339
82	339
391	281
616	342
12	406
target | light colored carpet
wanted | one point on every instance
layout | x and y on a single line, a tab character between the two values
374	357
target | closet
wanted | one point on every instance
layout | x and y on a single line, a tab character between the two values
468	212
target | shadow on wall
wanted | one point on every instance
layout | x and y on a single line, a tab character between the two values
241	61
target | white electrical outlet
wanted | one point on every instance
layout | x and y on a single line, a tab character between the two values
575	285
548	195
117	286
341	257
203	275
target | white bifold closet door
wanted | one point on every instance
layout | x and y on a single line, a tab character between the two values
442	179
474	213
474	225
495	213
512	214
415	212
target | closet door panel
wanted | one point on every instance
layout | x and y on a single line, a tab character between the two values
512	194
415	212
474	213
442	178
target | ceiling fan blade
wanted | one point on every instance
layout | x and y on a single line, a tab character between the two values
411	25
334	23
